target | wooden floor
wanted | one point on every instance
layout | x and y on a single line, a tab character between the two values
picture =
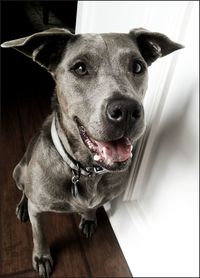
74	255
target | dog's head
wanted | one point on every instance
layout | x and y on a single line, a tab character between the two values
101	81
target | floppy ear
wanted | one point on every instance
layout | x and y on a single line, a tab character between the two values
153	45
45	47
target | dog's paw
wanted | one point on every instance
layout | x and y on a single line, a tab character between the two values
43	265
22	212
88	227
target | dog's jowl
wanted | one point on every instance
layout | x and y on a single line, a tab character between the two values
80	158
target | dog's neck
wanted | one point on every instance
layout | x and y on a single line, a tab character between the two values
71	141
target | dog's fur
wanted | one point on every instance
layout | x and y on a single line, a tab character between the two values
42	175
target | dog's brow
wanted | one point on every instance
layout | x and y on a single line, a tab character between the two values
127	52
86	55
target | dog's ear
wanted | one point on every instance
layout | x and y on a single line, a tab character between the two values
153	45
45	47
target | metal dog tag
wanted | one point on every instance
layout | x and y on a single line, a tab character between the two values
74	190
74	187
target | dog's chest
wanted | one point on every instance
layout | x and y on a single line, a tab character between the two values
92	193
61	199
89	195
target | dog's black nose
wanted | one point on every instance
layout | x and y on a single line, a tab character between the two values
124	110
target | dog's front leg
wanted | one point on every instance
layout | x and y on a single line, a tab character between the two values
41	257
88	223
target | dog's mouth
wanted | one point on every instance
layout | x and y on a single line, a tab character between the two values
111	154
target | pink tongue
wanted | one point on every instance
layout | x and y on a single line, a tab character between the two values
115	151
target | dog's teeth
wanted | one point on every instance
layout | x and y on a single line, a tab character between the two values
131	155
104	152
131	148
97	157
90	144
82	128
127	142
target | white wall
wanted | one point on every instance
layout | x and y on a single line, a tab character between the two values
158	230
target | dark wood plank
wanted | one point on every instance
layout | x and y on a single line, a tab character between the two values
65	247
102	251
15	252
29	273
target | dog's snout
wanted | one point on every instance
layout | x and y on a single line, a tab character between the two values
123	110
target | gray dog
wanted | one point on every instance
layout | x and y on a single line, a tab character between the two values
80	158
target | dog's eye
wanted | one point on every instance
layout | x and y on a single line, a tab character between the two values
137	67
80	69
